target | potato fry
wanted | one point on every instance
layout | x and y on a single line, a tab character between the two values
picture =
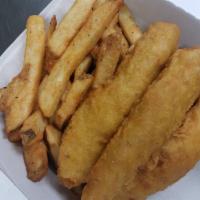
96	120
67	89
73	99
107	60
152	121
83	67
19	98
51	28
95	52
123	41
49	61
111	28
36	161
33	129
14	136
53	138
69	26
129	26
173	161
99	3
54	85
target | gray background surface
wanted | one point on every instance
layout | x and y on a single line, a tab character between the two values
13	15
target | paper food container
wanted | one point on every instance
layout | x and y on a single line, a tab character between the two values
11	160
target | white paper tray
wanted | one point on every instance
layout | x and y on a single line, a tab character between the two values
11	161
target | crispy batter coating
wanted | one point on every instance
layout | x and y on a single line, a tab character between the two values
101	113
173	161
147	128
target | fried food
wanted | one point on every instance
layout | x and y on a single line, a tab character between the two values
99	116
83	67
53	138
129	26
35	152
108	59
123	42
173	161
99	3
148	127
69	26
73	99
111	28
49	61
33	129
36	161
54	84
18	99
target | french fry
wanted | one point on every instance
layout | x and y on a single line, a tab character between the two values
51	28
107	60
67	89
73	99
49	61
53	138
111	28
69	26
35	151
19	97
36	161
99	3
33	129
54	84
129	26
83	67
14	136
123	41
95	52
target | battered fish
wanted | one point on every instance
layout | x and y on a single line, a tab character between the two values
98	118
147	128
175	159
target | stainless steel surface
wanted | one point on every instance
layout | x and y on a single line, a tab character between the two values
13	15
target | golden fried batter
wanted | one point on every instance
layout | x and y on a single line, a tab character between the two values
147	128
101	113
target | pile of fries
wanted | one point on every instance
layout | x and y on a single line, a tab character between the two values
93	97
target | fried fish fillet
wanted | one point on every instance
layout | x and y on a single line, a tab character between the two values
147	128
101	113
175	159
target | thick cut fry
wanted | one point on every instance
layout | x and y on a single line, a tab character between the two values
95	52
149	125
123	42
14	136
175	159
73	99
54	85
52	27
19	98
94	123
33	129
99	3
49	61
107	60
53	137
111	28
69	26
36	161
129	27
83	67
